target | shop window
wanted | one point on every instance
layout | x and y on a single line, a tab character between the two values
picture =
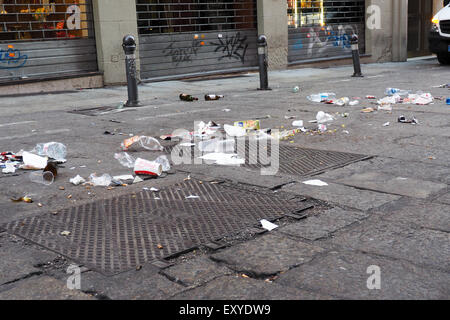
306	13
170	16
28	20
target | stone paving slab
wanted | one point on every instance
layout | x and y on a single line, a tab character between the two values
238	288
394	185
197	271
342	195
345	275
143	284
267	255
444	199
18	260
393	167
42	288
431	215
322	225
424	247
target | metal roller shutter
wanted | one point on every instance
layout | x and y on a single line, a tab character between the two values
179	38
46	38
322	29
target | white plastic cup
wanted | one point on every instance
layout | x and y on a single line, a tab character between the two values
45	178
146	167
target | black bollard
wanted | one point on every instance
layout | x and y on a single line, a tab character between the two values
263	64
129	46
355	53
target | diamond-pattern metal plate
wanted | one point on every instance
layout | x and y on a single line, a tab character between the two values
118	234
294	161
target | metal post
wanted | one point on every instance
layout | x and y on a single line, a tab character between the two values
263	64
355	53
129	46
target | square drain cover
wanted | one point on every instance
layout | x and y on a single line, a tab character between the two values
116	235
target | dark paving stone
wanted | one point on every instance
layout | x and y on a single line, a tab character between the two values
267	255
238	288
445	198
395	168
421	246
42	288
18	260
345	275
342	195
393	184
322	225
432	215
144	284
197	271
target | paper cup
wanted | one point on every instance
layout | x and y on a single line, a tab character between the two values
146	167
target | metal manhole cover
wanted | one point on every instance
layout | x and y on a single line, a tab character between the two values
118	234
293	160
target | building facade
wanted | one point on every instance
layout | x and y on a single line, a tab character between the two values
79	42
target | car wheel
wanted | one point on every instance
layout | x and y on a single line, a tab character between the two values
444	58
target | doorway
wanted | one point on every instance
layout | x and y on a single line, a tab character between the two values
420	13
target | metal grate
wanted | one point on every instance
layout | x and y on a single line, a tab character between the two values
119	234
293	161
445	26
23	20
170	16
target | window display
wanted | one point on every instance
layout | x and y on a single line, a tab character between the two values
28	20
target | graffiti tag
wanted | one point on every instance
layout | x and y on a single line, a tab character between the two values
233	47
180	55
12	58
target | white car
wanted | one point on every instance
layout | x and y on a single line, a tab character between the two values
439	39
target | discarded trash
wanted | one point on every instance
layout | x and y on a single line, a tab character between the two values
145	167
387	124
148	143
65	233
233	131
392	91
33	162
368	110
217	145
123	177
210	97
77	180
317	183
125	159
371	97
342	101
298	123
9	168
249	124
226	110
192	197
322	128
403	119
323	117
290	117
320	97
386	107
137	180
296	89
102	181
268	225
164	163
223	158
187	97
353	103
448	101
42	177
23	199
54	150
